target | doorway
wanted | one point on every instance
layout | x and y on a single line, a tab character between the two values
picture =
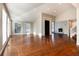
73	30
47	28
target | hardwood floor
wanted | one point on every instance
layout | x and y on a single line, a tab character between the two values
58	45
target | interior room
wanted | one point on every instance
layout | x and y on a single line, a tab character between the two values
38	29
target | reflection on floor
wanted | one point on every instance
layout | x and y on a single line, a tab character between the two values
23	45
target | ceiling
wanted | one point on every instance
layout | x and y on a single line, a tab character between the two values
30	11
76	5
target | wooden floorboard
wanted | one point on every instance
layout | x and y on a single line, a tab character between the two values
29	45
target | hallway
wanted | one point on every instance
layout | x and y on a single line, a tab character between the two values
23	45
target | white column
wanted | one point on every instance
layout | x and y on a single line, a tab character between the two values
77	26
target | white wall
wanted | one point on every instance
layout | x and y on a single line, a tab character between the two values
0	26
37	29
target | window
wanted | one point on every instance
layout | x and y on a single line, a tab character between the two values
4	25
22	28
27	28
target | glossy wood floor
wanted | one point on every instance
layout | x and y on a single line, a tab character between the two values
58	45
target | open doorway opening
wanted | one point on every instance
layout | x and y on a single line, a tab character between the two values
47	28
73	30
